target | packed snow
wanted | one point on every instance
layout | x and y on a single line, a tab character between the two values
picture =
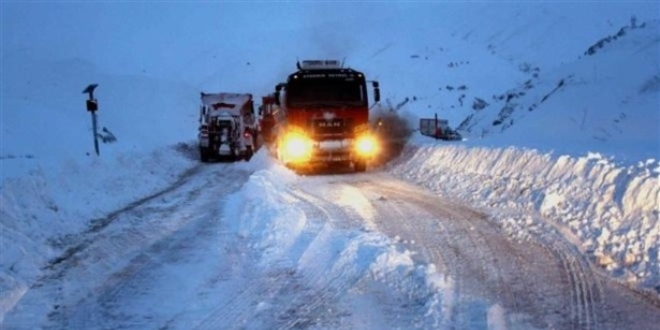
558	104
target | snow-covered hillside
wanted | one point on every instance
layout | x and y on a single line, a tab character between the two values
561	101
568	110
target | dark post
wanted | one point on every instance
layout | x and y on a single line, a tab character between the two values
92	106
435	132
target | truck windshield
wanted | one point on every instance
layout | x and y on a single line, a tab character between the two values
325	92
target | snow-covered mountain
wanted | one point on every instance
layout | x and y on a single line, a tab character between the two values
559	104
566	108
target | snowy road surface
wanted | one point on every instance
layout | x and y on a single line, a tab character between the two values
228	247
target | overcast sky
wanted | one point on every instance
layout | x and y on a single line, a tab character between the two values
168	39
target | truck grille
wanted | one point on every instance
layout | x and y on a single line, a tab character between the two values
332	126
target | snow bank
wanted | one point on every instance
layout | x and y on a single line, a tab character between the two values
611	210
42	209
287	233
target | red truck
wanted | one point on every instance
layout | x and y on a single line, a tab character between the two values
321	117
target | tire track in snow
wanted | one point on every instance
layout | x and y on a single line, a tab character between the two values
557	286
97	225
267	286
113	261
586	292
414	308
422	223
309	285
231	313
327	289
480	249
402	219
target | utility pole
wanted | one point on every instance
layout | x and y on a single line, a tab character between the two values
93	106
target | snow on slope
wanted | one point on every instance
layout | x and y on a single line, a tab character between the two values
605	101
494	73
546	34
44	114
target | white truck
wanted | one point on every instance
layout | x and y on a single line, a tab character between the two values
226	126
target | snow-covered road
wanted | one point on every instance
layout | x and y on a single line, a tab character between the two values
233	247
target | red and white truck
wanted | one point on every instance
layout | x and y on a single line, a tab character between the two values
227	126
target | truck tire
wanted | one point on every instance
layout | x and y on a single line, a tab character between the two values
233	154
248	153
203	154
360	165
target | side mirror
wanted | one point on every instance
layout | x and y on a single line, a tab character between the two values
376	91
278	89
277	97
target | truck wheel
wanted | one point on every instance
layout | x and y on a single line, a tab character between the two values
278	154
248	154
233	155
203	154
360	165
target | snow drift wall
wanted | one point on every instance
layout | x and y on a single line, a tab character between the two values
609	212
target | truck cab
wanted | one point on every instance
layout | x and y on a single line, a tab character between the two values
225	126
326	116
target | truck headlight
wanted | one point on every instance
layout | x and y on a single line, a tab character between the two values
366	146
297	147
